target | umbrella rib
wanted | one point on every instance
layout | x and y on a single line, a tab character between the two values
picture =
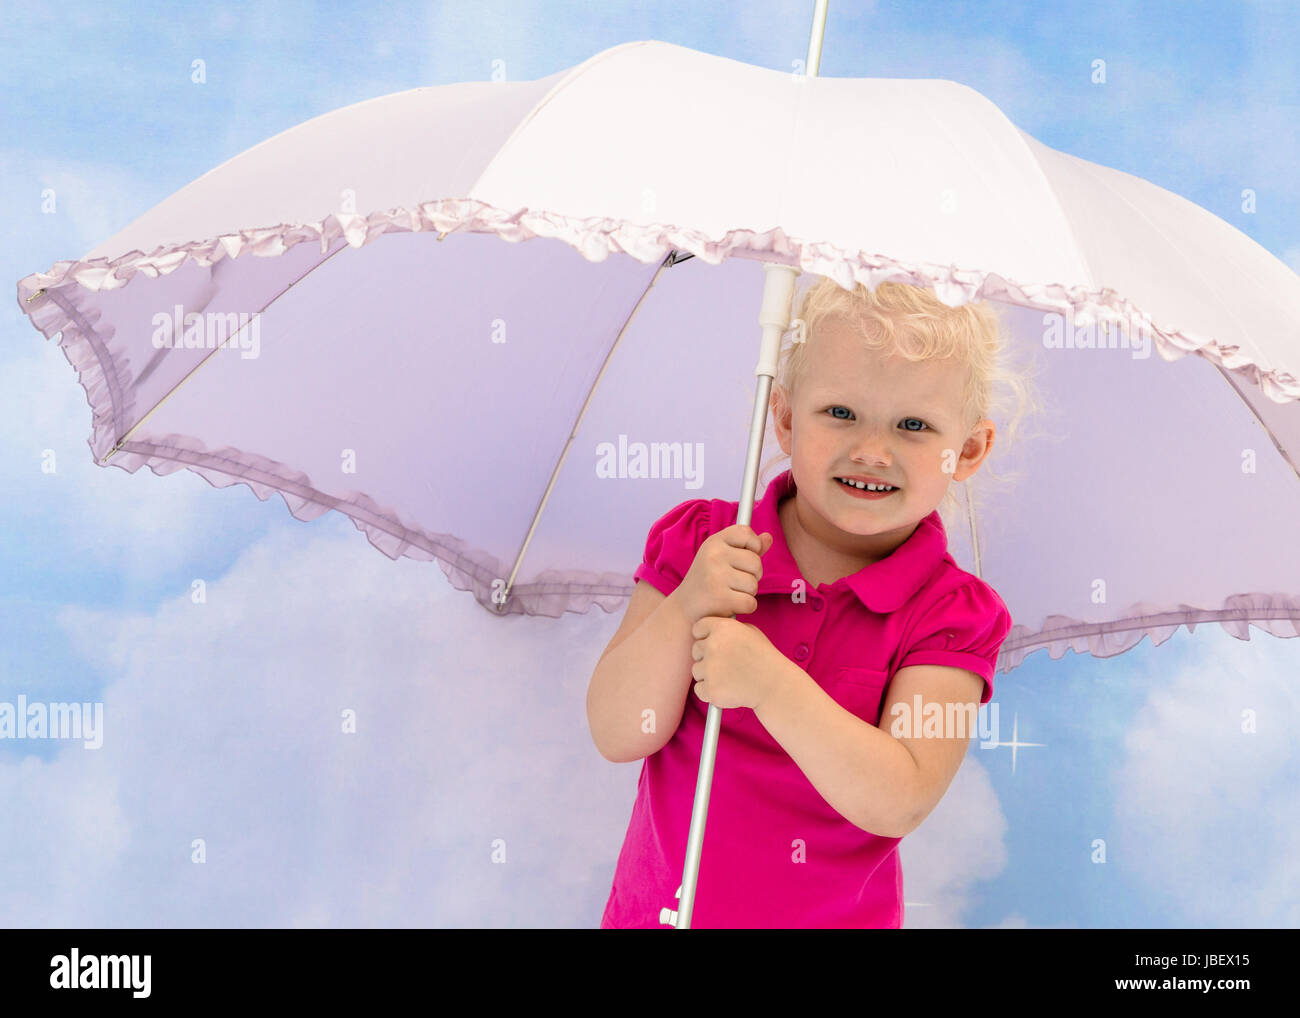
669	261
1227	374
166	396
974	534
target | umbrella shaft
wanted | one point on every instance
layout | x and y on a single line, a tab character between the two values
778	289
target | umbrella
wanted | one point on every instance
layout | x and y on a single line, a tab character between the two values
332	317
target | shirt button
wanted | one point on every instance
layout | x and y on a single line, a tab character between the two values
801	651
817	605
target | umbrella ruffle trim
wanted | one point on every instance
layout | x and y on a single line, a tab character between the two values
1276	614
551	592
597	238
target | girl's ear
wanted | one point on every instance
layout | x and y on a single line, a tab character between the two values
781	413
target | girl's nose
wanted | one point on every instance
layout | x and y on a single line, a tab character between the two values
872	450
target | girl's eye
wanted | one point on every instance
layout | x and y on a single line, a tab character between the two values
906	421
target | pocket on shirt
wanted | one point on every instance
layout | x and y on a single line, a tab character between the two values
861	691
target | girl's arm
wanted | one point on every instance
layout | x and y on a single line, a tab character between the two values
647	665
883	784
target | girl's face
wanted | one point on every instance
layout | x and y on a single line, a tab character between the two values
867	413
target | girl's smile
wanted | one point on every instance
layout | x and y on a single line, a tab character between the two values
860	490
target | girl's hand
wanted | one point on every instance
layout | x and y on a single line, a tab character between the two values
735	663
723	578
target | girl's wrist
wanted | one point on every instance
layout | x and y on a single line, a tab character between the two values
680	605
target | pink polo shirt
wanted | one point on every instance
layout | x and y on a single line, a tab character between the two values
776	854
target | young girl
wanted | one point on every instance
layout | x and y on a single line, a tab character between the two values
846	603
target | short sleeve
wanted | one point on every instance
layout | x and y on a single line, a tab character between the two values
672	543
964	629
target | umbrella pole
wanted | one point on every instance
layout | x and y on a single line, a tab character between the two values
778	289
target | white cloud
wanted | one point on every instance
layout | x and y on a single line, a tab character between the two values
100	515
72	829
1206	815
222	722
962	842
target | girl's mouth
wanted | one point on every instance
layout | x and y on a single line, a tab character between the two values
856	492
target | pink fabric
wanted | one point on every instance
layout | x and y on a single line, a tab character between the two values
913	607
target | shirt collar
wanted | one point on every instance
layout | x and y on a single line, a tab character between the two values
883	586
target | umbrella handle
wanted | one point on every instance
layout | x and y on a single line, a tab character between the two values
774	317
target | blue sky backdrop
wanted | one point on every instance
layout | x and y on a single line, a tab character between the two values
221	719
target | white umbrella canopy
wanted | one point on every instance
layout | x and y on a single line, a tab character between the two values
466	400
